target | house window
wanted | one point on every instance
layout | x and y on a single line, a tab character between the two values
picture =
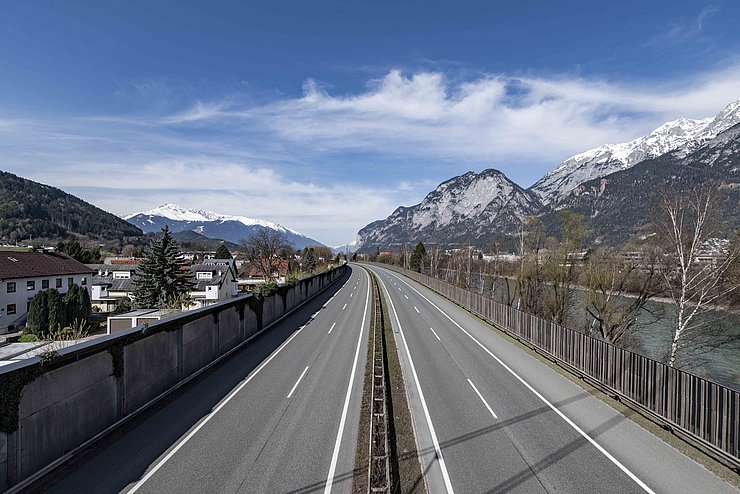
121	275
59	283
11	287
70	282
44	284
11	309
84	281
30	285
204	275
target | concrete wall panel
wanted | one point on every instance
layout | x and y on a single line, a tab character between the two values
228	330
198	344
65	407
150	368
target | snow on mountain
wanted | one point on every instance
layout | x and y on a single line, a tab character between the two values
683	135
469	207
212	225
178	213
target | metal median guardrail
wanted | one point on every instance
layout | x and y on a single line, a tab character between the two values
707	411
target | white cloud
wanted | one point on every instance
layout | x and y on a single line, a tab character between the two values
280	160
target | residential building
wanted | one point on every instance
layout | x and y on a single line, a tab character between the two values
214	279
111	283
250	274
24	274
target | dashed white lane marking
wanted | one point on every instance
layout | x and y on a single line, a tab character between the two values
345	306
432	433
211	415
297	382
538	395
350	295
407	297
435	333
481	398
417	310
332	327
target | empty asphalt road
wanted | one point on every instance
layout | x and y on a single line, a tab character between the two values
279	416
491	418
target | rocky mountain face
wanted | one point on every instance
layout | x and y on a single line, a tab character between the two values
683	135
624	204
614	186
212	225
467	208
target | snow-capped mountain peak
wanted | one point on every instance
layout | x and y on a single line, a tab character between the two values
178	213
213	225
682	135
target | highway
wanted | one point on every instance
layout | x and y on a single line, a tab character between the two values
279	416
489	417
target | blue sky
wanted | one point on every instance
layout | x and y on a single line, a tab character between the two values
325	116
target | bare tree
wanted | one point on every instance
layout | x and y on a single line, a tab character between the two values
609	275
265	250
693	284
560	266
529	278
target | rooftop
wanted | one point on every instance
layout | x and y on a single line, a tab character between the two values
37	264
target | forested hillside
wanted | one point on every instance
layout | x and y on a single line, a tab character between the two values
32	210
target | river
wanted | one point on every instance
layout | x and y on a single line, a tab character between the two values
652	336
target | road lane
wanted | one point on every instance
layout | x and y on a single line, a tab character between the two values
551	452
275	434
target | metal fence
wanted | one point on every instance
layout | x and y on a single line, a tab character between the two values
708	411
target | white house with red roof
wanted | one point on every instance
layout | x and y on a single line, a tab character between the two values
24	274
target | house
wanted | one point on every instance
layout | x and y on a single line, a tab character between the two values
250	274
215	280
111	283
24	274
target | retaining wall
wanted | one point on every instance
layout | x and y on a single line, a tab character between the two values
50	406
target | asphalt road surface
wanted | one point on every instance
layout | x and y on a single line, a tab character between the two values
491	418
279	416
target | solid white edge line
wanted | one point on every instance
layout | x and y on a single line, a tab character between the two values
332	327
338	442
208	417
435	333
297	382
437	448
482	399
538	395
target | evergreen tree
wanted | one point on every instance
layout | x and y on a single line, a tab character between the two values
77	305
38	314
162	274
57	311
417	257
223	253
308	260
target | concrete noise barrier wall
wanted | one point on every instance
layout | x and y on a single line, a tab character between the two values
53	404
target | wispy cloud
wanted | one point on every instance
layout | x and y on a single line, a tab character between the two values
682	32
320	149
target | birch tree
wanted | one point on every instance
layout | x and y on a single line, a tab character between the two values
693	284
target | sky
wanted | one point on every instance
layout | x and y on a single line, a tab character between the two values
326	115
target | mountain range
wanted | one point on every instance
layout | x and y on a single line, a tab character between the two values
212	225
613	186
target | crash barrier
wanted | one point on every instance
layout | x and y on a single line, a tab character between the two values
53	404
707	411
